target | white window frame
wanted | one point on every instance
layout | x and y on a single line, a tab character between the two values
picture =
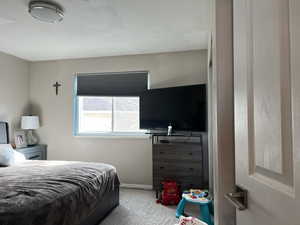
76	133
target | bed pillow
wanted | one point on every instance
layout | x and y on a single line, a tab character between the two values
18	157
6	155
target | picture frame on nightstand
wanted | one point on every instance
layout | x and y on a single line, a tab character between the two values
20	139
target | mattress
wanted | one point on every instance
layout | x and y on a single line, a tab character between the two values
53	192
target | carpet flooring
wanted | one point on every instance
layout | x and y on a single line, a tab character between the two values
138	207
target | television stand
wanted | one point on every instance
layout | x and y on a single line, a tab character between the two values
181	158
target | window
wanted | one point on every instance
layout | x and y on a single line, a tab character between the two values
108	114
108	104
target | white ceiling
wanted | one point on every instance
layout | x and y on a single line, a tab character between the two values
93	28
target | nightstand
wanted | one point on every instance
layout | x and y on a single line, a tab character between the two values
36	152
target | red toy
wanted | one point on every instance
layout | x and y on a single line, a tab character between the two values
170	193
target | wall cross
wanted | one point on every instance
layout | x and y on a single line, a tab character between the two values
56	85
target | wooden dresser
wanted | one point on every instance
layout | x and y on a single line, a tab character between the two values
183	159
36	152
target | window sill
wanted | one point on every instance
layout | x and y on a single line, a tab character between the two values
114	135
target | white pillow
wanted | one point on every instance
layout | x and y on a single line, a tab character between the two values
6	155
18	157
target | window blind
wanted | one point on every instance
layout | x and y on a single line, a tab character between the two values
112	84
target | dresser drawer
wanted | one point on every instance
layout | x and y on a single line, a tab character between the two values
193	147
188	150
182	178
187	169
166	155
34	155
191	185
37	152
184	182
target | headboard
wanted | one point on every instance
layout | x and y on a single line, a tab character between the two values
4	136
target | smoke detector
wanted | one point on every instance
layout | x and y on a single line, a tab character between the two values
46	11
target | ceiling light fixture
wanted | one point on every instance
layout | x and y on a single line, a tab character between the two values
46	11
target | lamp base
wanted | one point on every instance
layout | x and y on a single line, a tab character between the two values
31	139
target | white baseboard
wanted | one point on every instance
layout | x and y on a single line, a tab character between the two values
137	186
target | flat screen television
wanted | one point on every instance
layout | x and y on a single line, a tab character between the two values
183	107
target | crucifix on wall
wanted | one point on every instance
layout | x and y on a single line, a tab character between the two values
56	85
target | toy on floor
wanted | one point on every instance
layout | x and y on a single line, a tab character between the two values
196	194
200	198
190	221
170	194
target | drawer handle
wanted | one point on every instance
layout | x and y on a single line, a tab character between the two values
161	153
34	157
191	169
162	167
190	153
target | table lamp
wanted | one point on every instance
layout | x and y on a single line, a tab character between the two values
30	123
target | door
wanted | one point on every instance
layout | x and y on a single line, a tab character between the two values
267	109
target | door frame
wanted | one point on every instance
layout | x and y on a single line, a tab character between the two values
221	84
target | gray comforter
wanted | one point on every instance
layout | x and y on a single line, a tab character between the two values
52	192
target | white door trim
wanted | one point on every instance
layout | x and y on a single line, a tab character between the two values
223	110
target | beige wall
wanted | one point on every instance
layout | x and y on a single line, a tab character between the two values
14	93
132	157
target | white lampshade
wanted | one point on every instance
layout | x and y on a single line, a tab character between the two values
30	122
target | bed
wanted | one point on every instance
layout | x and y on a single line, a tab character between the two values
56	192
